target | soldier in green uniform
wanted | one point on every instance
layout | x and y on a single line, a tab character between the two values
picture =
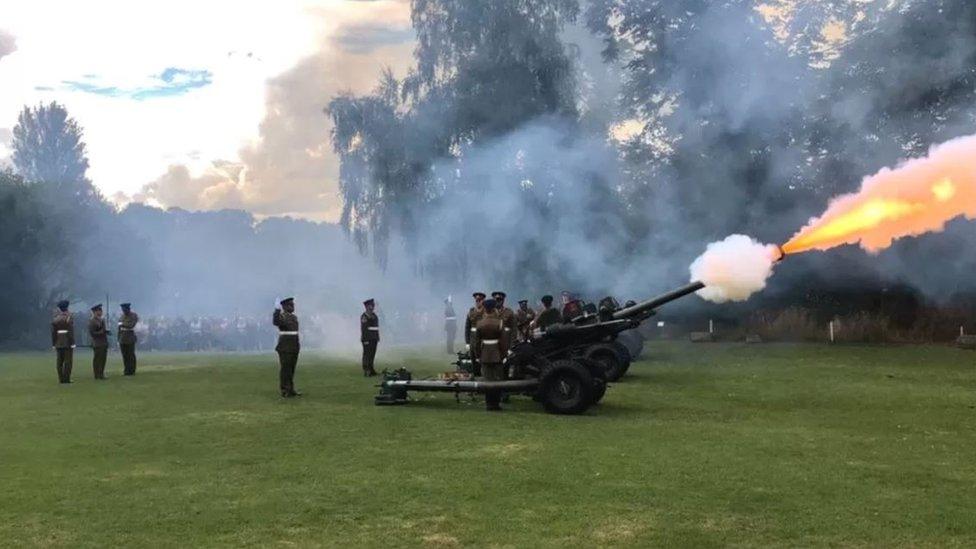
523	318
548	316
450	325
127	339
474	315
369	327
288	346
63	341
99	341
508	318
491	347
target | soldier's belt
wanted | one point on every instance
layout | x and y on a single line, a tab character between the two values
474	330
62	331
288	333
374	328
489	342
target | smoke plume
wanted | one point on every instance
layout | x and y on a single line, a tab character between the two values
8	44
735	268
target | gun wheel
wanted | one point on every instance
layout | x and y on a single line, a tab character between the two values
566	387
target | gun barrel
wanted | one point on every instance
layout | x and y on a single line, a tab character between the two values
655	302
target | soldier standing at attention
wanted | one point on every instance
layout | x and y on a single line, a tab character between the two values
548	316
524	317
491	347
474	315
99	341
369	324
63	341
510	326
127	339
288	347
450	324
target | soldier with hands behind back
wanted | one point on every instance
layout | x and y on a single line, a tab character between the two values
491	347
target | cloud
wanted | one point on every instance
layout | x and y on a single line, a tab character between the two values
171	82
291	169
8	43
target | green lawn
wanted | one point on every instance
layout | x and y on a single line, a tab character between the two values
701	445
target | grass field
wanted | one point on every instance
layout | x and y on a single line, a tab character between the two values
707	445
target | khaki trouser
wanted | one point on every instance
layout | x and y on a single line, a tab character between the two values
128	351
369	356
493	371
286	374
64	363
98	361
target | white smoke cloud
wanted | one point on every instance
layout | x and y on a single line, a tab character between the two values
8	44
735	268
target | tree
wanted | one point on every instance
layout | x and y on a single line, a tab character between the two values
48	148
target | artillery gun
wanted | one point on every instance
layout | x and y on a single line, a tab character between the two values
566	368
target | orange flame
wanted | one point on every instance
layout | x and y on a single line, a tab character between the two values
919	196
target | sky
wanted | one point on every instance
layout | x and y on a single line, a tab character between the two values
202	104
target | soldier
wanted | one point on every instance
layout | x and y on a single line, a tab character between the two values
572	307
450	324
127	339
491	347
288	346
474	315
63	341
508	318
369	324
99	341
548	316
523	318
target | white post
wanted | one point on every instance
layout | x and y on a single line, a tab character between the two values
831	331
711	326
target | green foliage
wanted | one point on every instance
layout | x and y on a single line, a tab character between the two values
702	446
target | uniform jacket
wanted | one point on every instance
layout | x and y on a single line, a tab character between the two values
510	325
491	345
547	317
450	319
63	330
127	328
287	323
523	319
98	333
471	322
369	327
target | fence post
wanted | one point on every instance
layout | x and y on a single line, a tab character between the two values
711	327
831	331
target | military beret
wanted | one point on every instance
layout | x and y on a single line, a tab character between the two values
97	307
287	300
523	301
547	299
369	302
496	294
63	305
125	305
489	304
479	294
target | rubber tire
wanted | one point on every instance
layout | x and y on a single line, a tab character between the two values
625	356
634	341
614	363
599	378
566	387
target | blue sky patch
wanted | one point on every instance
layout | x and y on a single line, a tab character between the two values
171	82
